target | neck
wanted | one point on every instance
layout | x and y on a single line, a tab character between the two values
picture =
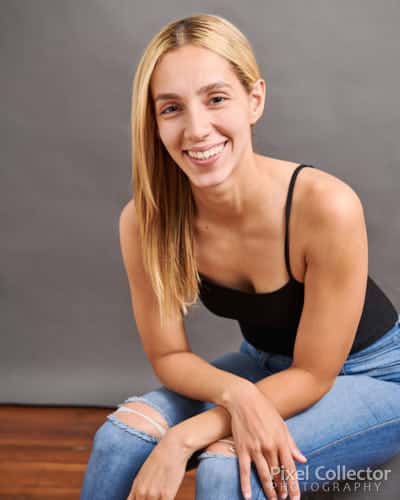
240	199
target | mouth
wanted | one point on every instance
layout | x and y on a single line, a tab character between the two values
206	161
215	145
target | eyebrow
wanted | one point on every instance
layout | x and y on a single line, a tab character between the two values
202	90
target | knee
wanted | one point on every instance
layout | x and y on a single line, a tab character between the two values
142	417
107	438
124	428
222	446
117	454
217	476
114	439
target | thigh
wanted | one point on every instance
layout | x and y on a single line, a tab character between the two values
356	425
364	401
357	422
175	407
352	429
355	407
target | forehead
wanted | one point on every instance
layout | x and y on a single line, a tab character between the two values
186	69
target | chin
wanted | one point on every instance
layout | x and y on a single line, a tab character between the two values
210	179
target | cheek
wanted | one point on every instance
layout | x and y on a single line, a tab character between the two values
169	144
172	144
169	136
234	123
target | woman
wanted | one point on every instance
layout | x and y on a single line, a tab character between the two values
319	367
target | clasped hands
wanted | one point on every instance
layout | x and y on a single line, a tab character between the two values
260	435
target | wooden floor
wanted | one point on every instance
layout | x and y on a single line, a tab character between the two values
44	452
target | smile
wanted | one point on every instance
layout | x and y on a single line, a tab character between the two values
206	157
207	153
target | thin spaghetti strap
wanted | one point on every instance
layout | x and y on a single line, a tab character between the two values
287	214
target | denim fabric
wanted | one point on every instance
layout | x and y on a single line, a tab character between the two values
354	426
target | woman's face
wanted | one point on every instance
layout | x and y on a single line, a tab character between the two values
191	116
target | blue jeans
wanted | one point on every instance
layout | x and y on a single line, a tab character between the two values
355	426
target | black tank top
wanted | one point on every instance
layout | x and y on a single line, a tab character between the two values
269	320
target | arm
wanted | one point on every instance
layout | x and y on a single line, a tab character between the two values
167	346
193	377
301	390
335	285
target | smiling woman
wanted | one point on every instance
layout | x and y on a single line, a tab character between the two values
209	124
290	265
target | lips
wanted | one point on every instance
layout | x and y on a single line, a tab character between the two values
207	162
202	150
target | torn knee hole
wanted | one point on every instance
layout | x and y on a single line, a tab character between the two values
142	417
224	446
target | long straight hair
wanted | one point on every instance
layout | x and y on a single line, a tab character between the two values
162	192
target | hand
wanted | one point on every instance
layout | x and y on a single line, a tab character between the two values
262	436
162	472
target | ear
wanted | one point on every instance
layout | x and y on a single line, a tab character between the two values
257	100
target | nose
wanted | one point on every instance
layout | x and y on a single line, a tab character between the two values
197	124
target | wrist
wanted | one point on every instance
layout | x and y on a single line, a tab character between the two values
179	441
236	392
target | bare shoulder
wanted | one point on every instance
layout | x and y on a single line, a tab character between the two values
331	210
325	196
132	252
129	233
127	218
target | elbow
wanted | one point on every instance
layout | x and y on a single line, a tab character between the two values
319	386
322	385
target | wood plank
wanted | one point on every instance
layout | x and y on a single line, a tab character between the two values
44	452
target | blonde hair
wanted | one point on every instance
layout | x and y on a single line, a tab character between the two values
161	191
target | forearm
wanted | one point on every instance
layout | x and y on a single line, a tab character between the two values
290	391
193	377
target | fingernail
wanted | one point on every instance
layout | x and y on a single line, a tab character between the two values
247	495
301	454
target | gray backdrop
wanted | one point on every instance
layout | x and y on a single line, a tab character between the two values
67	331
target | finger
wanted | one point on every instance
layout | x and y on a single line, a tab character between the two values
131	495
278	478
290	473
293	447
263	464
244	470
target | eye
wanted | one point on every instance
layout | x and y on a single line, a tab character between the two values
218	97
164	112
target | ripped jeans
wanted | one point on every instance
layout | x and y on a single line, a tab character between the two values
355	426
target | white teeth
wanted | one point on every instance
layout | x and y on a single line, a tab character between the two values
203	155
